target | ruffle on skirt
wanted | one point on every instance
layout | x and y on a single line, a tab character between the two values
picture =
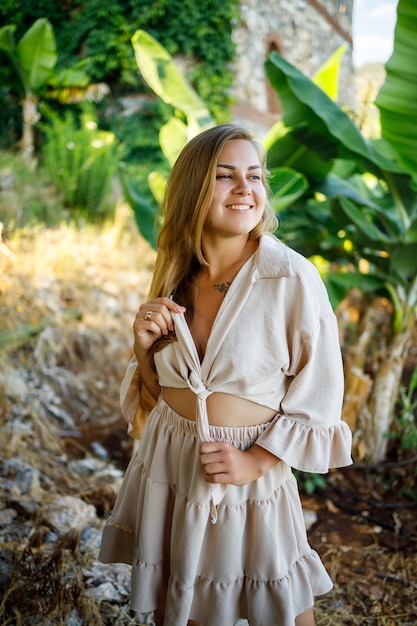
254	563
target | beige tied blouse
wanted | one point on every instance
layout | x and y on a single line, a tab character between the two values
274	342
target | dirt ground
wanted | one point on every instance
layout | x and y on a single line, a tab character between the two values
366	536
67	302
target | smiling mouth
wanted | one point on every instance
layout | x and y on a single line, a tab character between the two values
239	207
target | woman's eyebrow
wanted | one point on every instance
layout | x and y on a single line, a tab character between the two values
232	167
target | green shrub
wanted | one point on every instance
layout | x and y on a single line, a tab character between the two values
81	160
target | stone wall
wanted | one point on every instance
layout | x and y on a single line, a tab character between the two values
305	32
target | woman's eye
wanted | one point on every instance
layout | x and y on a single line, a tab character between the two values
251	177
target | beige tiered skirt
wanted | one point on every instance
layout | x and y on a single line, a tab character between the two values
254	562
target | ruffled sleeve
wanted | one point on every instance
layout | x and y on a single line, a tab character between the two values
135	400
306	448
307	433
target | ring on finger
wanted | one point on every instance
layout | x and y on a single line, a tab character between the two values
148	315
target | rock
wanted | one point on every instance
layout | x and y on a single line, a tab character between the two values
7	516
63	513
19	476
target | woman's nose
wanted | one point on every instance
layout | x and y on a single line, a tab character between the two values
242	188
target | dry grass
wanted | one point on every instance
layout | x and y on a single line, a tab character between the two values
372	587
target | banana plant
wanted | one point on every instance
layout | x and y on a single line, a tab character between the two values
359	210
28	69
286	184
190	117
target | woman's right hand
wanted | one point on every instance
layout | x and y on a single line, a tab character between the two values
153	320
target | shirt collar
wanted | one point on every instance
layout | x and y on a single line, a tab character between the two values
272	259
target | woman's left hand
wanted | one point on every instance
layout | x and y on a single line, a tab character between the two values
224	463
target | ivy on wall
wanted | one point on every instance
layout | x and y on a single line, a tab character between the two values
199	30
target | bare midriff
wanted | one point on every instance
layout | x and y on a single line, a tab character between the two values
223	409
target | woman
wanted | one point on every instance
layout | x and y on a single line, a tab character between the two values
237	348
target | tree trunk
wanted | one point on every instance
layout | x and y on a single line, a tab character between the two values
375	420
358	382
374	365
30	117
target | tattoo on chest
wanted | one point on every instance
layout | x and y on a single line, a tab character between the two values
222	287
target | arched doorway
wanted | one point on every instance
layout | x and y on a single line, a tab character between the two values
273	44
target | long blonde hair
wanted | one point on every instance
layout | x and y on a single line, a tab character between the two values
185	206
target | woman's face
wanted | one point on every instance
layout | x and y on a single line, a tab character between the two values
239	193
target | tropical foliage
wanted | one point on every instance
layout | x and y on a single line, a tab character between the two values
28	69
360	209
190	116
99	33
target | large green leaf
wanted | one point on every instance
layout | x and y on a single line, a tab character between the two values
157	184
286	185
144	210
164	77
404	260
284	150
172	138
305	106
372	198
69	77
7	42
11	74
327	77
397	98
37	54
334	185
364	222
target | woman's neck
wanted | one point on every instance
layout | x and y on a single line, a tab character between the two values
225	258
